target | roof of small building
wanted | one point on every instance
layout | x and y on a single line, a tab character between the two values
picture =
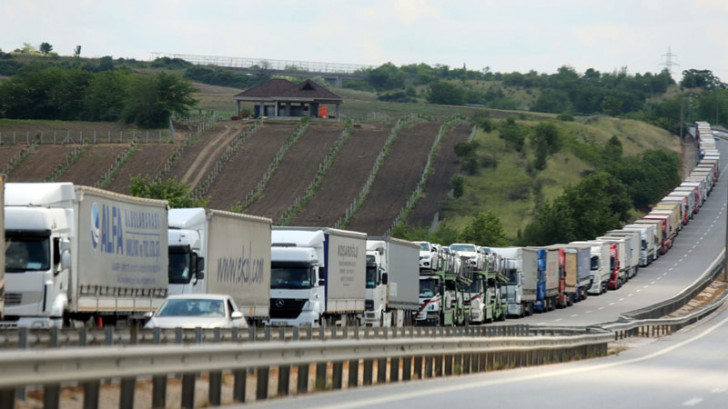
281	89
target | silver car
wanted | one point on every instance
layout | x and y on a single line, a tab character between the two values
198	310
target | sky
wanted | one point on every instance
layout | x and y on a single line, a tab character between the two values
502	36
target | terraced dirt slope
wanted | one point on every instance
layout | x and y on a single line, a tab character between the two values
8	153
444	166
345	177
197	159
297	169
146	161
93	163
246	168
40	164
397	178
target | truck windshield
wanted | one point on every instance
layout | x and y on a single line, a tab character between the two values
291	276
428	288
179	267
371	276
594	263
513	277
27	254
475	286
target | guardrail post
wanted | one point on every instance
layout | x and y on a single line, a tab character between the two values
52	392
438	365
448	365
418	367
22	344
394	369
337	376
214	391
354	372
407	368
159	383
368	371
7	398
126	393
382	370
428	366
467	358
188	390
261	387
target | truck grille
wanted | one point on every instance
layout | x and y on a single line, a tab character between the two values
285	308
13	298
368	305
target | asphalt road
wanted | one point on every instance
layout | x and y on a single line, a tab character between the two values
687	369
696	248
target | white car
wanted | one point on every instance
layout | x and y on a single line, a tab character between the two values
197	310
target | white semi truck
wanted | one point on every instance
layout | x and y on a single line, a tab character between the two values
392	282
633	247
520	290
601	265
317	276
218	252
79	255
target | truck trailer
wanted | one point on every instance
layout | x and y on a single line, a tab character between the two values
218	252
77	255
318	276
392	282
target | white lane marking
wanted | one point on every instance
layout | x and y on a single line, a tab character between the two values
542	323
621	299
611	303
637	291
692	402
718	390
659	278
630	295
573	315
482	383
558	319
653	283
666	273
588	312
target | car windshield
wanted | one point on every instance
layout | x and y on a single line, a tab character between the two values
463	247
27	254
425	246
192	307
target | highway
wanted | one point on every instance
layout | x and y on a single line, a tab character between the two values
696	248
688	369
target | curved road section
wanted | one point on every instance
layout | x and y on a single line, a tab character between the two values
697	247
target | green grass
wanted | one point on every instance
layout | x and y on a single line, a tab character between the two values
513	194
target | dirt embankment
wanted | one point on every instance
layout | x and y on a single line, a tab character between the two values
396	179
297	170
246	168
444	166
346	176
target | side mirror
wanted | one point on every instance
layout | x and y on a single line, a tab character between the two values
200	268
236	315
385	278
322	282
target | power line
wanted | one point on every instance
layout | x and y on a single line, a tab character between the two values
668	62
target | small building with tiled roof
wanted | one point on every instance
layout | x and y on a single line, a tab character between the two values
283	98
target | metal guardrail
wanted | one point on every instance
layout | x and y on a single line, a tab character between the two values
25	338
666	307
409	356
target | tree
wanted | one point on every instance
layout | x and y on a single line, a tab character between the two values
77	51
176	193
153	99
457	184
45	48
700	79
446	93
513	134
485	230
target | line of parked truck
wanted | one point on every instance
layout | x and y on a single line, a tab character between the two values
76	255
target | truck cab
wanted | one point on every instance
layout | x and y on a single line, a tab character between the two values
431	290
375	313
37	266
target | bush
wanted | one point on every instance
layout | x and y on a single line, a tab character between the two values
457	183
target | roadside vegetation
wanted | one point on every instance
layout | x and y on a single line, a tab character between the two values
547	150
